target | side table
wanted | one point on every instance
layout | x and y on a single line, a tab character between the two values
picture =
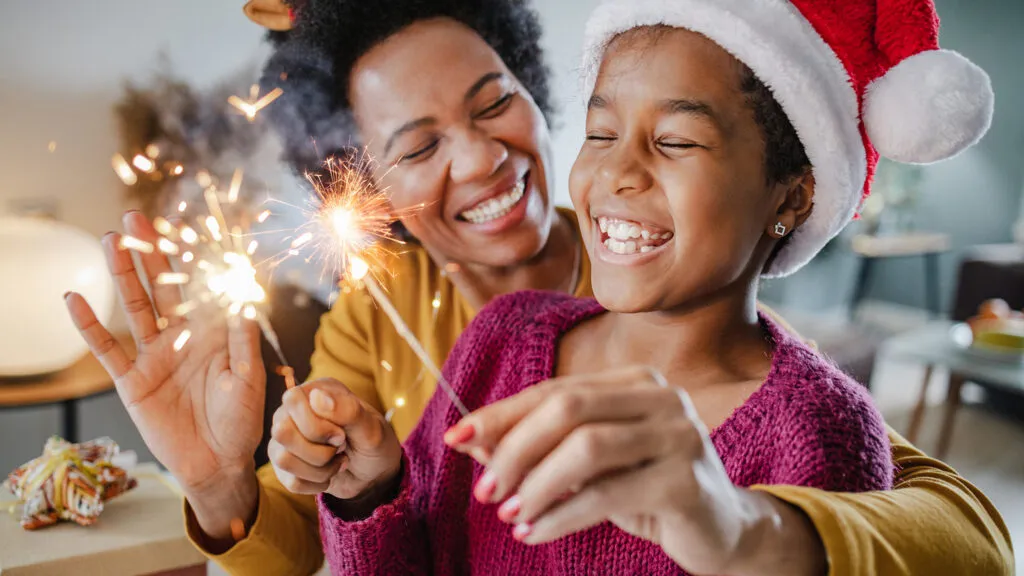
932	346
83	379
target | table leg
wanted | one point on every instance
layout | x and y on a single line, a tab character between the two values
69	420
860	289
918	415
931	278
956	383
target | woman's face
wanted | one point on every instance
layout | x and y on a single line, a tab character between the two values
461	147
670	185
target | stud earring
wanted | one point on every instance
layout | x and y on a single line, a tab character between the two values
780	229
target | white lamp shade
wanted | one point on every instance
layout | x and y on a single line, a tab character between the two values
40	260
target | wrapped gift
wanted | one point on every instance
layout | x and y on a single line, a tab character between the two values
68	482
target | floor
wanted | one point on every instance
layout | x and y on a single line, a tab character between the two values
987	449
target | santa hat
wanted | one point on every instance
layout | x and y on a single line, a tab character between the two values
855	77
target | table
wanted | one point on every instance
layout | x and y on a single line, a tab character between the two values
82	379
139	532
926	245
932	346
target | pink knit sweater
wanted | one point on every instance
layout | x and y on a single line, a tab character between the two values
808	425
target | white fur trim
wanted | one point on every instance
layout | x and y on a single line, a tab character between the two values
802	71
929	107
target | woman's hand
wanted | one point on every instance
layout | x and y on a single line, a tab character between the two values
200	409
622	446
325	439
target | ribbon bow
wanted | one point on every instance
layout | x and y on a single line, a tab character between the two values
68	482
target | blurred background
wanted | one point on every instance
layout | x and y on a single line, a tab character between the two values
933	244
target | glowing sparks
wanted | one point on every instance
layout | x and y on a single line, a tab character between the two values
436	303
386	365
187	257
177	169
167	247
203	179
143	163
399	402
172	279
184	308
133	243
305	238
236	186
182	339
249	312
214	228
189	236
182	206
163	226
124	170
162	323
263	216
252	107
152	150
251	249
358	268
52	146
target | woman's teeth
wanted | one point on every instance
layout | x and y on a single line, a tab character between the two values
496	207
625	237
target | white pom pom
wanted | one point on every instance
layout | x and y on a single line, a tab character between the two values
929	107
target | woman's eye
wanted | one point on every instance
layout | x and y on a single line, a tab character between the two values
677	144
495	109
419	153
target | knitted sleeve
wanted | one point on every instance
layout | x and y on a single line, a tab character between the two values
831	436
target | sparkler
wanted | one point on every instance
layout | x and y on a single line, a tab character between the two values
255	103
223	275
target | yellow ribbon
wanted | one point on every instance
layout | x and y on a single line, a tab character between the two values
57	464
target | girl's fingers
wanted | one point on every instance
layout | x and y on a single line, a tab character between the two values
302	470
103	346
628	493
594	451
287	433
134	300
166	297
541	431
296	485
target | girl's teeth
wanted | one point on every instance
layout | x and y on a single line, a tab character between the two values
646	249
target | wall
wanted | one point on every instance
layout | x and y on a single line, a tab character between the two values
61	68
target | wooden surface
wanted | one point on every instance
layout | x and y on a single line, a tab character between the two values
900	245
84	378
139	532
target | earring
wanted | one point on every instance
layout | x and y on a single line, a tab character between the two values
780	229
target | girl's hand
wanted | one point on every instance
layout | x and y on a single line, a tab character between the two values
621	446
325	439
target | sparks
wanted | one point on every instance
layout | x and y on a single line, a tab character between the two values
188	235
177	169
124	170
236	186
386	365
133	243
251	108
182	339
143	163
52	147
214	228
172	278
187	257
167	247
182	206
263	216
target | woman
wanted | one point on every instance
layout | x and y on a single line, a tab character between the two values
207	442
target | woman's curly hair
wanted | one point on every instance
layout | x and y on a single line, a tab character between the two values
312	62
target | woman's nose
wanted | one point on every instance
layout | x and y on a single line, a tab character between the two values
476	155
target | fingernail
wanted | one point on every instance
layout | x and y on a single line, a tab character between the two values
509	509
336	441
321	402
460	434
522	530
66	294
485	487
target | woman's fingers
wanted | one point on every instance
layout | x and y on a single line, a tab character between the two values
166	297
334	402
545	428
103	346
595	451
313	427
285	460
287	434
136	303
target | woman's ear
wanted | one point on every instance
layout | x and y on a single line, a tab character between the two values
794	205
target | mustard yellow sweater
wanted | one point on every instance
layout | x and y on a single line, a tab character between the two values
934	522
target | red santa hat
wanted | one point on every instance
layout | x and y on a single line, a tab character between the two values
857	78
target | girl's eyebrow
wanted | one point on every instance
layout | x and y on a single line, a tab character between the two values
670	106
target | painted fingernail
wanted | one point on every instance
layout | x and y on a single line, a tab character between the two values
320	401
485	487
66	294
522	530
460	434
509	509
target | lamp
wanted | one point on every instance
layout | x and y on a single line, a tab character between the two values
40	260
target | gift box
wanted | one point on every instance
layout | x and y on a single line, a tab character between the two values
139	532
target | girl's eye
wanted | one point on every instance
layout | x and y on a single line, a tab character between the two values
600	139
495	109
419	153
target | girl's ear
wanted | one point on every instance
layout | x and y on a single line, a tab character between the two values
794	206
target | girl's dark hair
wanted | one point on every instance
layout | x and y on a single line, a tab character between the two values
784	153
312	62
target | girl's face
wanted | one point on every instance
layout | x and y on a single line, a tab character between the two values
670	185
454	131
